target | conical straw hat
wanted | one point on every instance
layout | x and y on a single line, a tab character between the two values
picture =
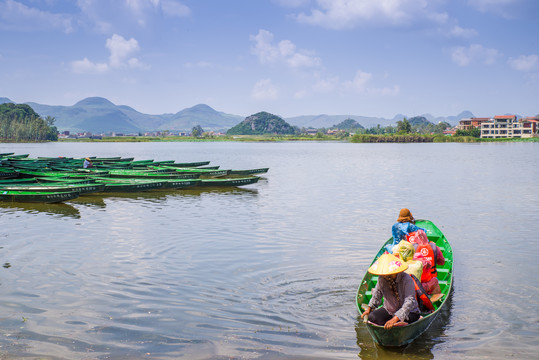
388	264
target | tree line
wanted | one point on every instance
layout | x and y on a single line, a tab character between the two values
19	122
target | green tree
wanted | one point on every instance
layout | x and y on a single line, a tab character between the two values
440	127
19	122
404	126
474	132
197	131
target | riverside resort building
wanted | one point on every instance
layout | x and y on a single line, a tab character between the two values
502	126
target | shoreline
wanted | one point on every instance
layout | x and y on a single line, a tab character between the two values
362	139
371	139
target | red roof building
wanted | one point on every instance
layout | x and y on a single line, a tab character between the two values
469	123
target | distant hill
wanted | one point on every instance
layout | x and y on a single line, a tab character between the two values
327	121
97	114
262	123
91	114
202	115
348	124
418	121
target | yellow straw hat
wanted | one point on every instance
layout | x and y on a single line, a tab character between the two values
388	264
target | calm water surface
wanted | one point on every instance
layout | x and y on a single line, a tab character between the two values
270	270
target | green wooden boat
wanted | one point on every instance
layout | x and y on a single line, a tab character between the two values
180	183
37	196
229	181
191	164
6	173
134	174
187	170
55	187
17	181
249	171
405	334
129	185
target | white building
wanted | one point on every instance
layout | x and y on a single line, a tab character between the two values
507	126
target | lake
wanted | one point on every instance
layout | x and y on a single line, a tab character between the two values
270	270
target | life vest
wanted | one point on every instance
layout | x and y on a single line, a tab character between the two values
421	296
410	235
428	254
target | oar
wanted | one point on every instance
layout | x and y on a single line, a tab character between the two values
365	307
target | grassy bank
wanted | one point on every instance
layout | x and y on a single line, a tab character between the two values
415	138
203	139
358	138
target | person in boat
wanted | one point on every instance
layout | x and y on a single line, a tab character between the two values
430	255
87	163
404	226
397	289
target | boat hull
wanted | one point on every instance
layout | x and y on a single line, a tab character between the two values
405	334
229	182
43	197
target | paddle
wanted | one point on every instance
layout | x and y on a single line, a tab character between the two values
366	317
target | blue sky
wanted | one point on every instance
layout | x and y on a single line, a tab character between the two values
287	57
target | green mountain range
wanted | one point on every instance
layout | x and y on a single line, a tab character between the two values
99	115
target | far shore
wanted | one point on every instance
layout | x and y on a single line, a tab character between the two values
276	138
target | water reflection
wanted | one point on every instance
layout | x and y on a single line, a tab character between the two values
62	209
420	348
99	201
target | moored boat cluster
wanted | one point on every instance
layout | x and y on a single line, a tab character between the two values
56	179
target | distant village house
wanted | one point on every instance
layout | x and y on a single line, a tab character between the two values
502	126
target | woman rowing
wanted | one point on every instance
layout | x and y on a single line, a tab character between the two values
397	289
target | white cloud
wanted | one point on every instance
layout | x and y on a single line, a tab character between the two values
498	7
121	51
464	56
86	66
340	14
168	7
105	15
17	16
360	81
327	85
524	62
174	8
459	32
285	51
291	3
200	64
264	90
